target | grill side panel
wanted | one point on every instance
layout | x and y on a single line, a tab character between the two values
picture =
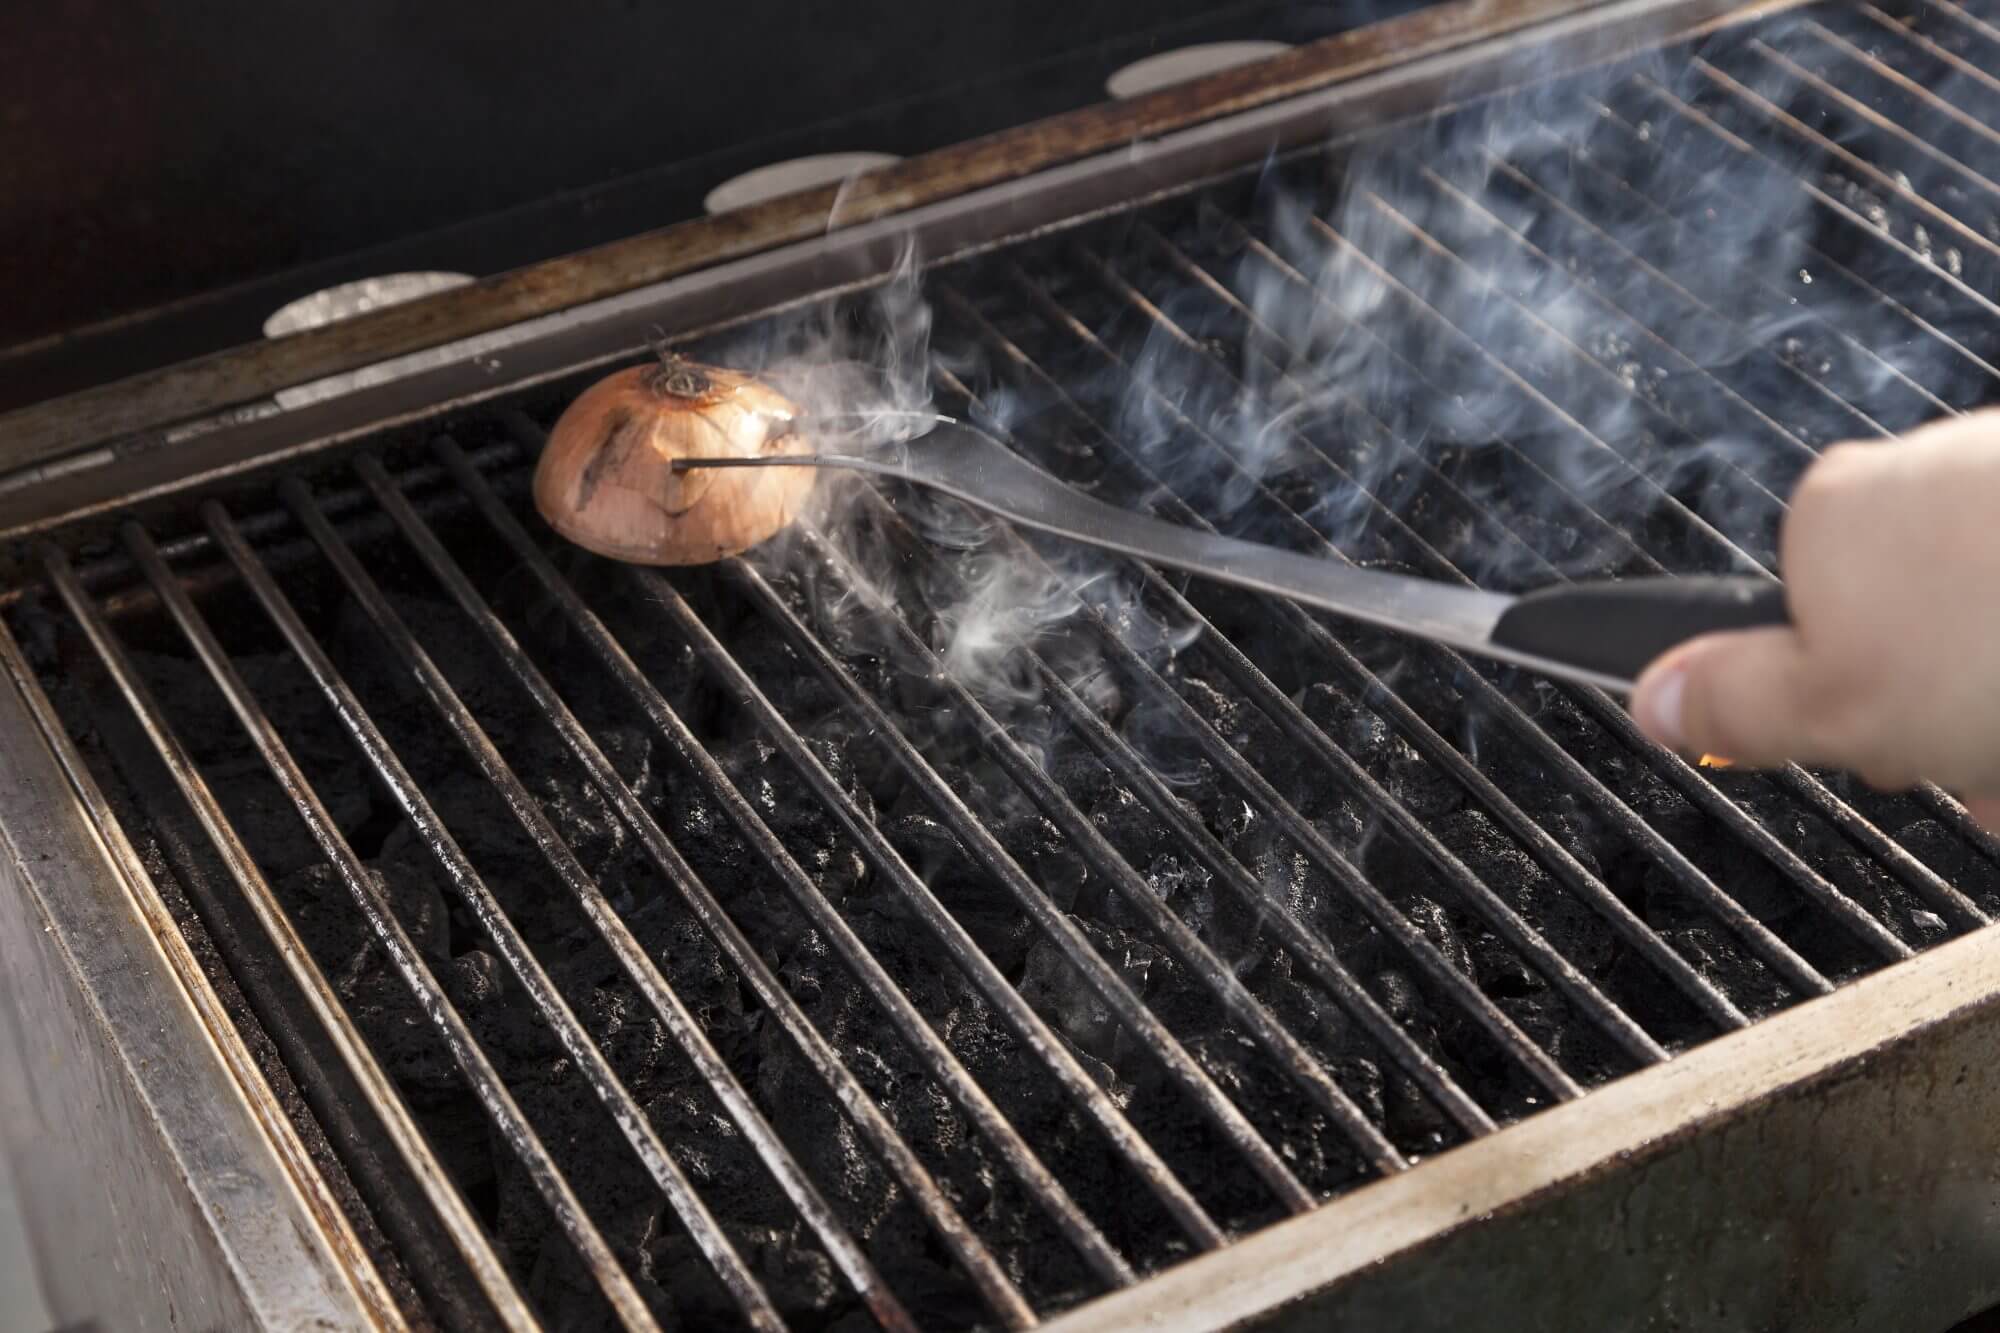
155	1196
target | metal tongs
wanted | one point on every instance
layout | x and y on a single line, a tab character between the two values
1600	633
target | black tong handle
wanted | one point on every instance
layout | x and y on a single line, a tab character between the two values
1617	627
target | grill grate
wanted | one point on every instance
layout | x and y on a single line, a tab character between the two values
716	946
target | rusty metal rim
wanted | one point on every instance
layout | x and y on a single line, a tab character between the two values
190	390
1616	1129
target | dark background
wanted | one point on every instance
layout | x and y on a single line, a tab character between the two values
153	154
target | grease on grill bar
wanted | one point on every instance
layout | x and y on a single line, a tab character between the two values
716	948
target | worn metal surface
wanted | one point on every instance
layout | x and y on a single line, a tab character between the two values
1415	54
1835	1167
162	1193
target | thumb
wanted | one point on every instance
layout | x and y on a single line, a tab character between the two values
1734	695
1986	810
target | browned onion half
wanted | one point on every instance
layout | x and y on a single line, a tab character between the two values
606	479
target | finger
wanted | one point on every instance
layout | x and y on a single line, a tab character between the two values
1735	695
1985	809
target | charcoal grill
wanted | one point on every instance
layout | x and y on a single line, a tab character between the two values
412	923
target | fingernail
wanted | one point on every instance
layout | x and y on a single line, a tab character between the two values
1663	707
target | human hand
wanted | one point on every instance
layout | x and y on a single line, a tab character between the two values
1891	665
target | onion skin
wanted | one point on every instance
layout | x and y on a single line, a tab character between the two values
606	480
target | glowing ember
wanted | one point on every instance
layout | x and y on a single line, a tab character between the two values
1715	761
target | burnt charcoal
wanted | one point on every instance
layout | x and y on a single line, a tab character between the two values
1059	992
621	1022
474	980
1219	710
694	965
800	1280
39	631
709	838
1953	858
1583	936
375	672
1437	926
1402	1001
358	967
588	821
1297	886
1287	989
1721	959
1081	774
269	819
1228	814
1124	819
1311	1143
1426	790
323	909
923	841
1049	858
202	719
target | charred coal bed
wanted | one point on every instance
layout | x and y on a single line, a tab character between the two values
1536	352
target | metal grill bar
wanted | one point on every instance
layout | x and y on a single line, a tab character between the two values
1807	787
1712	412
1164	805
1306	1072
964	950
1547	333
1853	106
549	1180
996	860
1960	14
995	1287
1931	48
1731	290
994	1284
1815	792
1705	795
1379	910
1575	509
377	1286
1122	758
449	574
916	1030
1896	78
1706	291
430	1174
1810	789
1593	891
1784	120
1774	951
1907	868
1550	853
1905	311
1077	950
1499	917
644	974
1719	544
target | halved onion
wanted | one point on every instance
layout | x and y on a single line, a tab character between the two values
606	478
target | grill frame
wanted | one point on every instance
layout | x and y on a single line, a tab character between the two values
1765	1080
